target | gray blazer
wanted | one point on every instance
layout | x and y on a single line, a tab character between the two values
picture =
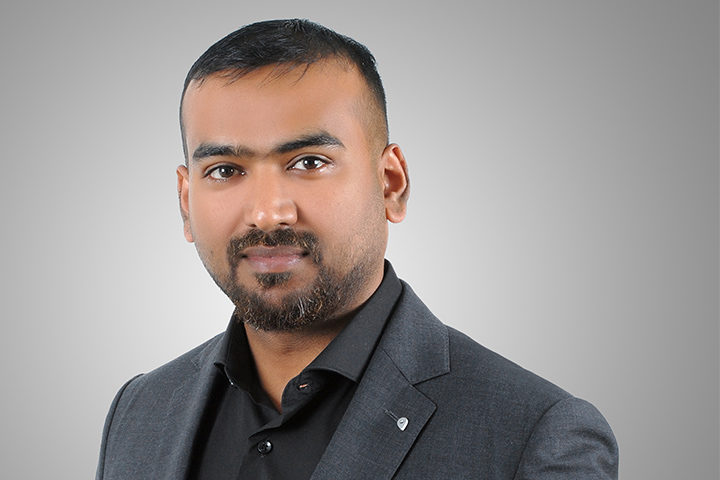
433	404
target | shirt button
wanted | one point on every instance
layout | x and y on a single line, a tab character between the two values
264	447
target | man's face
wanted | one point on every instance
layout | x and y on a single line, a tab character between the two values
285	195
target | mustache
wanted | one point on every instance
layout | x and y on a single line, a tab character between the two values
286	237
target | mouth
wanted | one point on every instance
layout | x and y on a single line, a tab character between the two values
272	259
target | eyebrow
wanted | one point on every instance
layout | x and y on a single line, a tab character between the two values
206	150
320	139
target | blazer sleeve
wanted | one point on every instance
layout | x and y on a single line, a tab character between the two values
572	440
99	474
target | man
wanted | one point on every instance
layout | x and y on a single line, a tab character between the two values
331	367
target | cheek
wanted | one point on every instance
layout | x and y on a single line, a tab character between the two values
351	220
212	221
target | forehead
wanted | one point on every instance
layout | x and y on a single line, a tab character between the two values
267	105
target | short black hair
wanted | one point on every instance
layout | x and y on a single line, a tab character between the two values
286	43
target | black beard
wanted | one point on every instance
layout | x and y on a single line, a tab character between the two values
314	305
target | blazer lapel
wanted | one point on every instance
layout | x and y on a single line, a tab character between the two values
383	420
387	412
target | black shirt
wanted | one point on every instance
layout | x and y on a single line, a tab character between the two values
246	437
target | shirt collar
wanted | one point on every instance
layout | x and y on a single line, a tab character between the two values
348	354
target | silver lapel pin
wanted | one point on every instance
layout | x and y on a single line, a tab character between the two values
401	422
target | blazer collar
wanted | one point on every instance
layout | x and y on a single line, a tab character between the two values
387	412
416	341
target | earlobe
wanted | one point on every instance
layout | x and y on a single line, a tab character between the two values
183	188
396	182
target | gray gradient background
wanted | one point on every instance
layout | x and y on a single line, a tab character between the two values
564	162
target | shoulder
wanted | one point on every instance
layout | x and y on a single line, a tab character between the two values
174	372
431	354
497	377
149	421
150	391
491	414
488	389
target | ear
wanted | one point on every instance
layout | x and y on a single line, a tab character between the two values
183	188
396	182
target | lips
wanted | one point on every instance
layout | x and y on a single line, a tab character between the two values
272	259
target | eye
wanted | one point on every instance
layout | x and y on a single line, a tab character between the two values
309	162
222	172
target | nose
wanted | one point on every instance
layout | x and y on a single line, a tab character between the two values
270	206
